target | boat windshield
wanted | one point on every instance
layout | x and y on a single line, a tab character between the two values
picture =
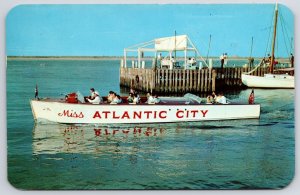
193	97
80	97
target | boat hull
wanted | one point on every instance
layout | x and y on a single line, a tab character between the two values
281	81
60	112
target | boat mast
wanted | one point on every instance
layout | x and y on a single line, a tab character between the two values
251	48
208	48
274	39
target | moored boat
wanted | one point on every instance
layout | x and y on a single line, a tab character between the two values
281	78
169	109
276	81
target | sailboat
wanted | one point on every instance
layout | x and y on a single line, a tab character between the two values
280	78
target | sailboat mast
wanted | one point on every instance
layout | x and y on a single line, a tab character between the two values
274	39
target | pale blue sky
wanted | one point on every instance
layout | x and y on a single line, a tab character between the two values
105	30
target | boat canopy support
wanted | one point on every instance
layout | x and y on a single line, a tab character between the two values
166	44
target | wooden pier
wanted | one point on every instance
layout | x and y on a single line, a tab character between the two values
179	81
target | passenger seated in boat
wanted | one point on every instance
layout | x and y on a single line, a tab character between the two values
116	99
135	99
150	99
211	99
110	96
96	100
130	98
119	99
156	99
92	96
221	99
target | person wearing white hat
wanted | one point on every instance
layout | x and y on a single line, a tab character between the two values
92	96
97	98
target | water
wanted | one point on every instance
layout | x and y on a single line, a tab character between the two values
238	154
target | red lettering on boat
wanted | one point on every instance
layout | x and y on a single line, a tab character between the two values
114	116
71	114
148	113
194	113
137	115
97	115
204	112
161	114
106	113
80	115
125	114
177	114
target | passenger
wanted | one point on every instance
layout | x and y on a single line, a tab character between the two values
209	99
96	100
110	96
130	98
221	99
156	99
150	99
137	96
214	94
92	96
116	99
119	99
135	99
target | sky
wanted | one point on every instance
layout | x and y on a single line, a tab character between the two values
105	30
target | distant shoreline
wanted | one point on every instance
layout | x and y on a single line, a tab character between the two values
113	58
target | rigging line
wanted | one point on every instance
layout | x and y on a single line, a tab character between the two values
292	48
268	42
283	32
287	32
254	69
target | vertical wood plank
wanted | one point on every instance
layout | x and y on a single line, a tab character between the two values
198	80
214	77
209	80
195	80
191	80
205	81
166	80
184	81
202	80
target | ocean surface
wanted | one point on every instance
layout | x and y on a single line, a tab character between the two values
235	154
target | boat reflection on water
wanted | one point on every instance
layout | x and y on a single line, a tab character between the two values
60	138
57	138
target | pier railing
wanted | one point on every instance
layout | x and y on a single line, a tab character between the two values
182	81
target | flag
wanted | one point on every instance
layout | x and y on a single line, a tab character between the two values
251	97
36	92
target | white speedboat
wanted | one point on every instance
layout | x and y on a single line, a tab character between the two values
169	109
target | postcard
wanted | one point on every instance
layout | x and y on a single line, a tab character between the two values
150	97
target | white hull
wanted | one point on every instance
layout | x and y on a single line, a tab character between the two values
280	81
61	112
